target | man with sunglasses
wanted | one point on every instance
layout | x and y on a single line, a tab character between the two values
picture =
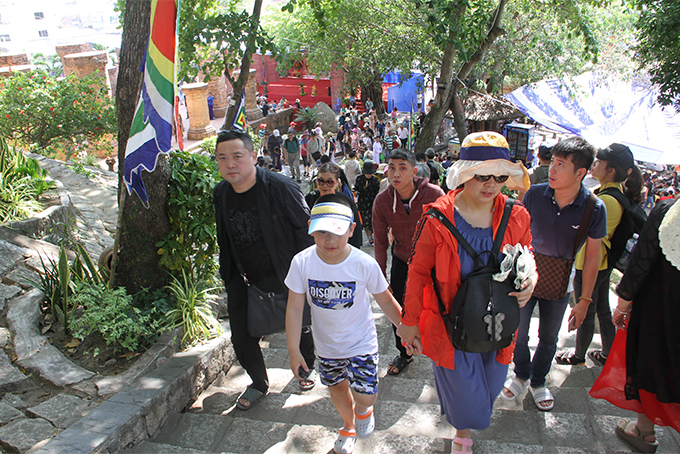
266	215
557	209
400	207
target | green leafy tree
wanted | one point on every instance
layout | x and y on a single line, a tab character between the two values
51	64
465	31
536	45
215	39
658	50
191	244
367	39
39	108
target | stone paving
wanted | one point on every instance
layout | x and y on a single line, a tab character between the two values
185	404
408	420
65	391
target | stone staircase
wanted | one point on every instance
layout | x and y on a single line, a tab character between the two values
407	415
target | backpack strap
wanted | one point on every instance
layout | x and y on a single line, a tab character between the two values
585	222
620	197
509	203
500	233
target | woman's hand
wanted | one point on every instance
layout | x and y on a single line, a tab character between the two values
621	313
410	337
527	289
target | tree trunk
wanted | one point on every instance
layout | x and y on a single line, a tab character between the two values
373	90
458	114
129	83
433	120
239	84
456	105
448	85
139	228
142	229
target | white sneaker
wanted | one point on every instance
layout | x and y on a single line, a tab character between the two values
344	444
364	424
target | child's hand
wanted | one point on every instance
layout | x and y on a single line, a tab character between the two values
415	347
297	361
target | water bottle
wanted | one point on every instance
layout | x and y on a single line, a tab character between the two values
622	262
632	242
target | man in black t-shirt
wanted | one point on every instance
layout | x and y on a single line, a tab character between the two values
267	216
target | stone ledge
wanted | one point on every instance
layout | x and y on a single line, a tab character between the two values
32	348
136	413
52	219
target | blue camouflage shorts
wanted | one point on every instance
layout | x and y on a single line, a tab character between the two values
361	372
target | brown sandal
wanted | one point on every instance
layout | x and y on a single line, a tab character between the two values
638	442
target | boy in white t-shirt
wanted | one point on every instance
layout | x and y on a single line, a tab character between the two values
336	279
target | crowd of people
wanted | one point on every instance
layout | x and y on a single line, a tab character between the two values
364	179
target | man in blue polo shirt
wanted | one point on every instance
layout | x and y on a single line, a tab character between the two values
557	209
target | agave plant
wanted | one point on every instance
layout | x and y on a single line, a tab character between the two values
58	278
307	116
193	312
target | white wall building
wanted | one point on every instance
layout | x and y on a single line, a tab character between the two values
33	26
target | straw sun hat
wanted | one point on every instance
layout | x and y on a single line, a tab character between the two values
487	153
669	235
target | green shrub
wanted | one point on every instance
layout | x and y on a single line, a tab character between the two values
89	160
307	116
110	313
39	108
22	181
158	302
80	169
193	312
191	244
208	144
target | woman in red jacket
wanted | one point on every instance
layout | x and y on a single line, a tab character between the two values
467	383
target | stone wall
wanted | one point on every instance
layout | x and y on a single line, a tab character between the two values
14	60
279	120
337	85
113	79
67	49
7	71
266	68
86	63
218	87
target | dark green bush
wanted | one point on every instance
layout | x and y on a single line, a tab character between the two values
110	313
191	244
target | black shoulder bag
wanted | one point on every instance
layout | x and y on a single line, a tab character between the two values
266	310
482	317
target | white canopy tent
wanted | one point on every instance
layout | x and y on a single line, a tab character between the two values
603	111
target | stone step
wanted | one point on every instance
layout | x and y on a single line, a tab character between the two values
24	434
148	447
11	378
408	418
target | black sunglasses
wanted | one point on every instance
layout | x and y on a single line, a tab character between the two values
497	179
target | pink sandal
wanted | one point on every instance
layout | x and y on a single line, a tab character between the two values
466	443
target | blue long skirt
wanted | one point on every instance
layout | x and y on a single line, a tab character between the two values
467	393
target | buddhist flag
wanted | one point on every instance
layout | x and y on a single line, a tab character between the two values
151	131
240	121
412	132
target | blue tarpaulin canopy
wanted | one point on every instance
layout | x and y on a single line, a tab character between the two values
603	111
404	96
